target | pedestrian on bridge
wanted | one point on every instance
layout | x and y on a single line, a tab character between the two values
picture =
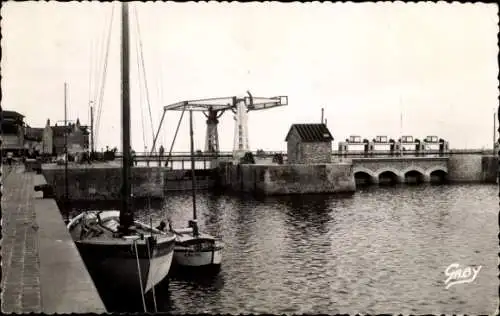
162	151
133	156
10	156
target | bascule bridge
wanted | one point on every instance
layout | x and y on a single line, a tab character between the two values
214	108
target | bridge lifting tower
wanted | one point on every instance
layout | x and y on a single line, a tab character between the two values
214	108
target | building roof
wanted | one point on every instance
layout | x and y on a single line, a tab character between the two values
311	132
59	130
11	115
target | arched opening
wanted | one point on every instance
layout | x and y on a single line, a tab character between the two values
414	177
362	178
387	178
439	176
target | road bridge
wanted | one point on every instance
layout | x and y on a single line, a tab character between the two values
400	169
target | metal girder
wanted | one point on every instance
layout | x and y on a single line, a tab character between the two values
225	103
258	103
217	104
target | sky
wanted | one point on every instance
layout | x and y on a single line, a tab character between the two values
376	68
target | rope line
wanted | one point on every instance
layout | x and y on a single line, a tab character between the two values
150	262
144	72
140	277
99	52
140	94
91	70
101	96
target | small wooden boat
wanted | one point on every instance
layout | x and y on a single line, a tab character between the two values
197	249
194	249
120	258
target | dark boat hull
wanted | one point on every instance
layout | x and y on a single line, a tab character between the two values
130	263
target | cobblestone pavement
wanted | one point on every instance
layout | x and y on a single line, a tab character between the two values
20	259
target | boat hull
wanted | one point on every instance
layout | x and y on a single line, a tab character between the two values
126	264
120	265
191	258
198	252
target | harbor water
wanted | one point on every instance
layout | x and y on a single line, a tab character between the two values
381	250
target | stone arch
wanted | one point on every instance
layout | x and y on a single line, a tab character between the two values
399	176
437	168
373	176
415	168
365	170
424	177
443	170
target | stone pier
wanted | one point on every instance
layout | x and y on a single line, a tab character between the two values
42	271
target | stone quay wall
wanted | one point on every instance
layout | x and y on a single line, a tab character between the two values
288	179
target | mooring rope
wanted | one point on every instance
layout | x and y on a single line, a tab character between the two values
140	277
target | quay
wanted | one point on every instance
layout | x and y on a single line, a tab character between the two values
42	271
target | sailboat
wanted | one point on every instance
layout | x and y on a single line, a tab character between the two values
195	249
129	254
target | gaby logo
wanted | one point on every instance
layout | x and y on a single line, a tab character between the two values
456	274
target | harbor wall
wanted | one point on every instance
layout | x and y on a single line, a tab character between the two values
103	183
181	180
288	179
469	168
489	169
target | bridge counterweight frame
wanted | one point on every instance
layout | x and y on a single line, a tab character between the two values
216	107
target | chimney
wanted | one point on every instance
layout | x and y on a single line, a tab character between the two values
322	115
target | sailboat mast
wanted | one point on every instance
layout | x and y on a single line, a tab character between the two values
91	128
126	216
193	179
66	193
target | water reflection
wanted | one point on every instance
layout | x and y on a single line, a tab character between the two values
383	249
307	212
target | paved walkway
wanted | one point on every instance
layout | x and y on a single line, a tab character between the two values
20	258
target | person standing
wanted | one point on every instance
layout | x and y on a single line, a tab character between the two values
9	158
162	151
133	156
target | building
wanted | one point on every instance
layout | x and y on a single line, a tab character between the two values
13	125
33	138
48	139
309	143
54	141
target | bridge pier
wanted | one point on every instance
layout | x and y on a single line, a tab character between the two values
400	178
427	178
